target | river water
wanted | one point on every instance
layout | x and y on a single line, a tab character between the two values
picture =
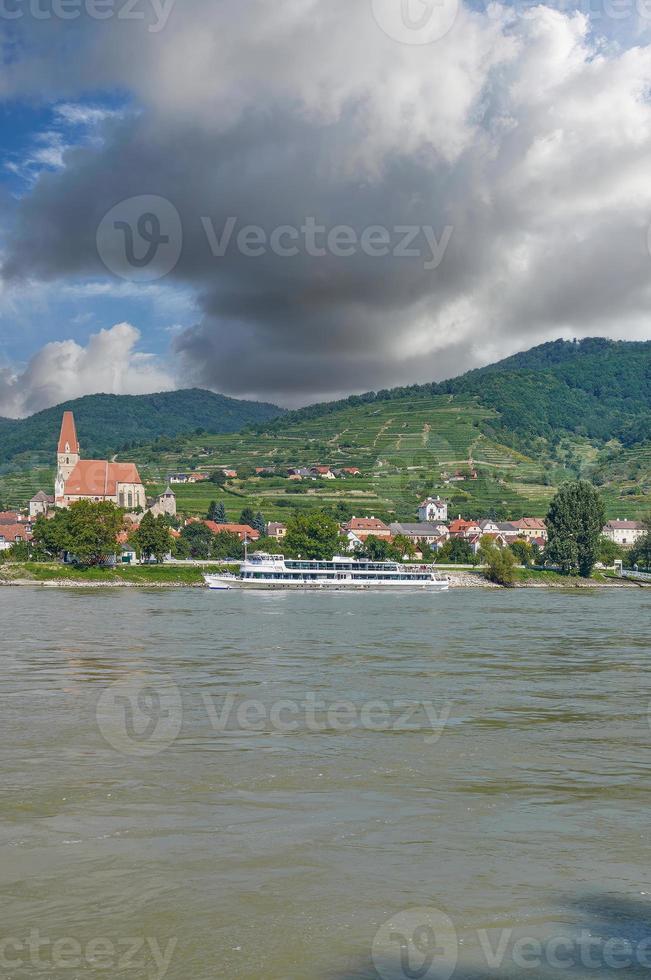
204	785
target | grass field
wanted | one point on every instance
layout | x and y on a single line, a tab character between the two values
154	575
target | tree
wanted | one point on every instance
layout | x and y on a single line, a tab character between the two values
226	544
220	513
259	524
522	551
574	524
212	511
640	553
500	563
313	536
152	538
456	551
218	477
377	549
198	539
86	530
247	516
609	551
49	533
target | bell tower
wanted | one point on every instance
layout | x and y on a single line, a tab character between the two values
68	448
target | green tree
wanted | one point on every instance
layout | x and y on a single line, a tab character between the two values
522	552
212	511
640	553
226	545
49	534
574	524
500	564
89	531
220	513
198	540
152	538
609	552
456	551
218	478
313	536
377	549
259	524
247	516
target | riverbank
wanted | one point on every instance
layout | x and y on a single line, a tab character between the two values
52	575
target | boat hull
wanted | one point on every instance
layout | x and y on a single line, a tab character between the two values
220	584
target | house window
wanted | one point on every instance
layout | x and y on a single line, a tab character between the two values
121	498
130	499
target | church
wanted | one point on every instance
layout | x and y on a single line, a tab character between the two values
93	479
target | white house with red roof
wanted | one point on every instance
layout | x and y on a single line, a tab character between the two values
93	479
366	527
433	509
625	533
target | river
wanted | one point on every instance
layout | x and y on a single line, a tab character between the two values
284	786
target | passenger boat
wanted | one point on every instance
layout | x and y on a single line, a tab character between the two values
262	571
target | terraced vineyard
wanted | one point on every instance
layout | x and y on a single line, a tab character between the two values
406	449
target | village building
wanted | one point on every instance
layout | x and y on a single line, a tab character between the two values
625	533
11	534
93	479
430	533
243	531
366	527
276	530
323	472
461	528
433	509
41	503
164	504
531	528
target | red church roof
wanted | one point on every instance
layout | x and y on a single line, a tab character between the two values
68	442
99	478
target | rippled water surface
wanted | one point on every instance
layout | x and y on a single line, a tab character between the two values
176	771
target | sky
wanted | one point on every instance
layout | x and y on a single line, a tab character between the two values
297	200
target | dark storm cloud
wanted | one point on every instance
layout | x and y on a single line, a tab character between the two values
488	139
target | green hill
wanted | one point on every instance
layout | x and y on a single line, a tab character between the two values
107	424
522	426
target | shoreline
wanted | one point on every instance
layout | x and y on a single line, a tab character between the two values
458	580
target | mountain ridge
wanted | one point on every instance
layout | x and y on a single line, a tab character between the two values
107	423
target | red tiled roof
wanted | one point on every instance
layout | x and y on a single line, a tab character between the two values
68	442
365	524
12	531
530	524
621	525
239	529
99	478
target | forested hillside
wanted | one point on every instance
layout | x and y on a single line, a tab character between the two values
595	388
107	424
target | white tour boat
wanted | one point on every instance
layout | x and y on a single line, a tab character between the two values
262	571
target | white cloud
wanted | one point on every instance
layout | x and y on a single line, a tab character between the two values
109	363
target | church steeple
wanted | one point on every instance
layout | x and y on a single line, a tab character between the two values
68	447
